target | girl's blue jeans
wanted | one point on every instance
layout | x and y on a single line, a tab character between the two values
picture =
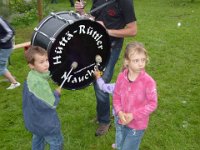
131	138
55	142
103	101
118	133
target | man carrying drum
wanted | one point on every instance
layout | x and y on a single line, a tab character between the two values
118	18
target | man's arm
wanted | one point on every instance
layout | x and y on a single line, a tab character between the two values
129	30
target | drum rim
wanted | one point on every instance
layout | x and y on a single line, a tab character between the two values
55	35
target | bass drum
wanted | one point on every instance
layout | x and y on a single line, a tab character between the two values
76	45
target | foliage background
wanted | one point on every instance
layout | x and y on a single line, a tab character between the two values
174	64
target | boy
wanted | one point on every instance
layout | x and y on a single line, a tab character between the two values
39	103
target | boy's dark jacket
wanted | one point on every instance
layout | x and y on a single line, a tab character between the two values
39	117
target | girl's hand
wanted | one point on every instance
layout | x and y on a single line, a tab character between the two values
128	117
122	118
97	74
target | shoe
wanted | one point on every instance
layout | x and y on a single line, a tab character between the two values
13	85
113	146
103	129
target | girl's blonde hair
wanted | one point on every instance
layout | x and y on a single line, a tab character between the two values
131	49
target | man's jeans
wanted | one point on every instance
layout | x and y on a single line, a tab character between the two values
55	142
103	101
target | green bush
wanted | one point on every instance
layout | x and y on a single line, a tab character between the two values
24	13
21	6
25	18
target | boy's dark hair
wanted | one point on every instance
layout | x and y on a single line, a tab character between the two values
32	50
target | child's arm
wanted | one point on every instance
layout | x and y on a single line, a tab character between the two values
106	87
57	94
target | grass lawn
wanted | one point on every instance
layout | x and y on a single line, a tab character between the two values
174	63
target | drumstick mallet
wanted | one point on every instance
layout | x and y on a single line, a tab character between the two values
98	60
74	65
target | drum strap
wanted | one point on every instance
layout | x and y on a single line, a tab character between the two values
101	6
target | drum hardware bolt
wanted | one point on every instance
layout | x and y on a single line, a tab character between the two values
52	39
70	21
36	29
52	13
58	17
78	15
71	12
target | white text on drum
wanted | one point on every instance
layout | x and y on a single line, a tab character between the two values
68	36
94	34
61	46
72	79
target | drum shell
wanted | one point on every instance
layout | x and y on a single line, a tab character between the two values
52	26
82	48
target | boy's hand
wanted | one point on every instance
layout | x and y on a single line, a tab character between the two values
58	90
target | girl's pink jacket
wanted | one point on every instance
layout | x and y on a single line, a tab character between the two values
138	97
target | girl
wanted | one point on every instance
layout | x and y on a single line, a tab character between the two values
135	96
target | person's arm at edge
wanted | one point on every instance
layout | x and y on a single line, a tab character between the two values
9	34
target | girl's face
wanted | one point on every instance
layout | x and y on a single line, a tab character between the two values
137	62
41	63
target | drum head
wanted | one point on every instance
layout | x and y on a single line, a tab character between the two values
79	49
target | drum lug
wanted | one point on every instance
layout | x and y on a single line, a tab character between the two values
52	39
70	21
61	18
